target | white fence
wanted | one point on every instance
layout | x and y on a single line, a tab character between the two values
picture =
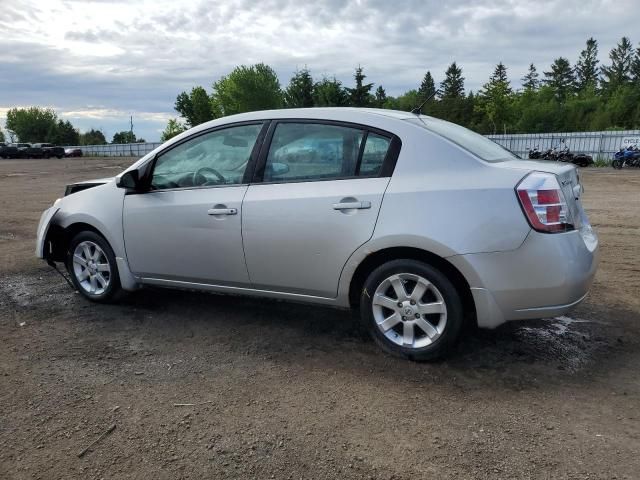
118	149
599	144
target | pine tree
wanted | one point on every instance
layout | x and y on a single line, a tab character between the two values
329	93
494	99
587	67
619	72
453	84
299	93
530	81
360	96
381	97
560	79
427	87
635	68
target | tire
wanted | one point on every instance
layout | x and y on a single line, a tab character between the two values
97	279
58	157
404	328
617	164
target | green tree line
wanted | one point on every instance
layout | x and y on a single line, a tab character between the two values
582	96
42	125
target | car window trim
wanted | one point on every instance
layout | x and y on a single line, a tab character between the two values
248	172
388	164
361	153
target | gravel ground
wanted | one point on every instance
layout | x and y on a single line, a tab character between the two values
201	385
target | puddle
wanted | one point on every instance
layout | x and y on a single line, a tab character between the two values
562	339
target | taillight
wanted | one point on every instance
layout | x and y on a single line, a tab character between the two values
543	203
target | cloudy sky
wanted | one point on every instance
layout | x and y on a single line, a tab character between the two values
98	61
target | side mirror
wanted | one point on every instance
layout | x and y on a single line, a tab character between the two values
279	168
129	180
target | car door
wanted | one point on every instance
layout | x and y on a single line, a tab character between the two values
318	191
187	226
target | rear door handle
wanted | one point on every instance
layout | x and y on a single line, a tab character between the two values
222	211
351	205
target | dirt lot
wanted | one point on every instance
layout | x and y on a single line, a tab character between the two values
288	391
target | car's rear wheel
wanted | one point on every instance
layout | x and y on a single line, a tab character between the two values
92	266
411	309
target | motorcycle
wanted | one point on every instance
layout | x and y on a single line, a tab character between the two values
566	155
551	154
534	153
626	157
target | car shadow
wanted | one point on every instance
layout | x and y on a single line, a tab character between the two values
517	355
287	330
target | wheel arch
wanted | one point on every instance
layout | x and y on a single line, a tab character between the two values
379	257
59	237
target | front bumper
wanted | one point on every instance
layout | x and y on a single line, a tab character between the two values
43	229
547	276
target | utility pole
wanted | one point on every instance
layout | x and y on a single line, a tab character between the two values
130	135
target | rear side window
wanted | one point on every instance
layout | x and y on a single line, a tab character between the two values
480	146
373	155
312	151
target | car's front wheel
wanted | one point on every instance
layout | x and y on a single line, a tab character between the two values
411	309
93	269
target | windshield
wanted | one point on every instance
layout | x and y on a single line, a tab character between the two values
480	146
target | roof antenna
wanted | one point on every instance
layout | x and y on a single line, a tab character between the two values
418	110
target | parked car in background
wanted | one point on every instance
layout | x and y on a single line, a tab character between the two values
417	223
8	151
27	150
50	150
72	152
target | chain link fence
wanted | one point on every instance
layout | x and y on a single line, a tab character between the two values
601	145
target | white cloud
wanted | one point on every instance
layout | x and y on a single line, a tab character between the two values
136	56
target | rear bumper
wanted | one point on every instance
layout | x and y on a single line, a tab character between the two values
547	276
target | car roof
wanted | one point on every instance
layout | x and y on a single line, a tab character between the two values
322	113
365	116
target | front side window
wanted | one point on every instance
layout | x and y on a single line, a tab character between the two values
312	151
212	159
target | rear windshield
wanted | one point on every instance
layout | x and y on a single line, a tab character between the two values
480	146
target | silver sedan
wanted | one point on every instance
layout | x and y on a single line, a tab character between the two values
419	224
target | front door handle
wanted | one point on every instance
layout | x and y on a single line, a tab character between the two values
222	211
351	205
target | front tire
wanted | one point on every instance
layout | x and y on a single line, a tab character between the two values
92	266
617	164
411	310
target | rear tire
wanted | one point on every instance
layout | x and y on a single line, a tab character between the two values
411	310
92	266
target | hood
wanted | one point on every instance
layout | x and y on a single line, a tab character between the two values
84	185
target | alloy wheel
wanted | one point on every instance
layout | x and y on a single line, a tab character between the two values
409	310
91	268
